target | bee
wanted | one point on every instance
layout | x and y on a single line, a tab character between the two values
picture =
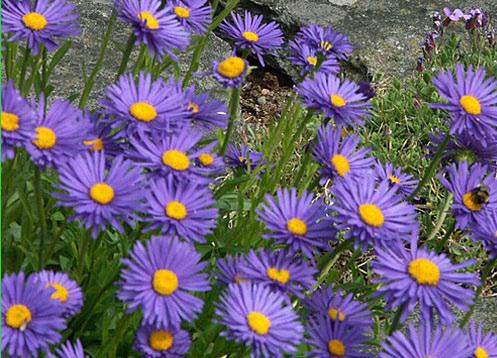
481	194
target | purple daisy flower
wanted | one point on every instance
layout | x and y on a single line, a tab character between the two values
340	101
341	307
154	342
98	196
154	26
280	271
68	350
169	155
250	33
208	162
472	101
144	106
58	135
230	270
485	230
335	339
426	342
206	112
43	22
404	183
194	15
259	318
31	321
18	120
64	291
338	155
181	208
326	41
101	137
372	212
158	279
242	157
420	276
231	71
308	58
483	345
475	192
296	221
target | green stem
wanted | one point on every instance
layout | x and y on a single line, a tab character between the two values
24	66
103	50
344	245
441	217
430	171
140	60
396	319
233	110
485	274
126	54
38	191
441	243
85	242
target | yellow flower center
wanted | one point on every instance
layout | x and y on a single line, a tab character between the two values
102	193
143	112
165	282
250	36
325	45
10	122
371	215
424	271
176	160
282	276
97	144
160	341
18	317
34	21
480	352
175	210
45	138
194	108
312	60
296	226
241	159
232	67
182	12
335	314
152	22
341	164
470	104
337	101
394	179
206	159
258	323
336	348
470	203
60	293
238	279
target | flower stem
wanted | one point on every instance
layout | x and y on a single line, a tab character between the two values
396	319
85	242
24	66
234	108
38	191
344	245
441	217
126	54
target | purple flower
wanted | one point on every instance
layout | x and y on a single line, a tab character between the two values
340	307
154	26
338	156
43	22
243	157
472	101
372	213
485	230
181	208
208	162
426	342
250	33
308	58
456	14
68	350
279	270
31	321
429	43
65	291
476	19
231	71
206	112
101	137
482	345
194	15
421	277
340	101
144	106
259	318
158	278
18	120
326	41
475	191
100	196
335	339
230	270
58	135
296	221
156	342
404	183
